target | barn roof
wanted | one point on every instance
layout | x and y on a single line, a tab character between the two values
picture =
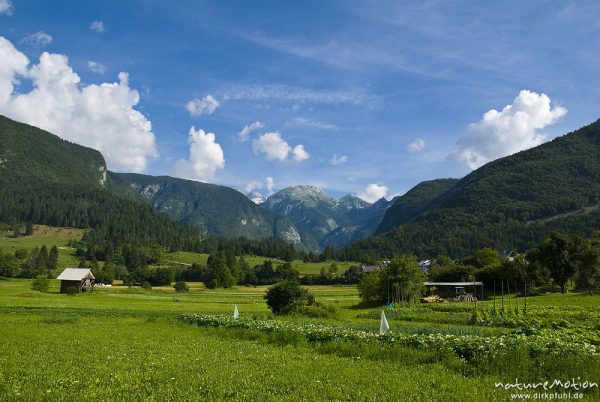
76	274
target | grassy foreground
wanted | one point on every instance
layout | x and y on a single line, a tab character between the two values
128	344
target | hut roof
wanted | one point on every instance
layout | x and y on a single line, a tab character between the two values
76	274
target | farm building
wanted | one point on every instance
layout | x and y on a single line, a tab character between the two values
78	278
368	268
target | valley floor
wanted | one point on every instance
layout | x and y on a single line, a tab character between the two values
128	344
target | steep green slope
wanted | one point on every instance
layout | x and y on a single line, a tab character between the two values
215	210
26	152
47	180
415	201
331	222
508	203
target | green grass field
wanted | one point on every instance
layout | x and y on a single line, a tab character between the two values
129	344
123	343
60	236
45	235
308	268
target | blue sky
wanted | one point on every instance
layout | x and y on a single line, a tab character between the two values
397	91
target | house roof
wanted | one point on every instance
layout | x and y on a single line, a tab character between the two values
76	274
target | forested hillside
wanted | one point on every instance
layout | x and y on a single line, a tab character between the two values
215	210
47	180
505	203
415	201
27	152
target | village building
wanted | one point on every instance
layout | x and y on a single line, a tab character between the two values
368	268
80	279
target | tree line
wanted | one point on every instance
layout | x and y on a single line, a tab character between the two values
558	261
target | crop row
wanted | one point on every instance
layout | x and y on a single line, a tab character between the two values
466	346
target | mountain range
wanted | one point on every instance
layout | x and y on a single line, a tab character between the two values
510	203
331	222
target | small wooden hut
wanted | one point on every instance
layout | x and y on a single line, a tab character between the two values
77	278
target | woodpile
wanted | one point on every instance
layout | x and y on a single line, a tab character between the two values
431	299
463	298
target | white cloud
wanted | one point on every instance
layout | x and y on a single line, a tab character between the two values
292	94
96	67
416	145
274	147
253	185
245	132
38	38
99	116
6	7
206	105
338	160
373	192
206	157
13	63
258	185
310	123
300	153
97	26
270	184
511	130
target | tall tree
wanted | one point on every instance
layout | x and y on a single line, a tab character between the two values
559	253
588	267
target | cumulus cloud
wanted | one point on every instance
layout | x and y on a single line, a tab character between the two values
515	128
38	38
274	147
97	26
6	7
270	184
338	160
416	145
373	192
206	157
300	153
206	105
96	67
258	185
252	185
245	132
99	116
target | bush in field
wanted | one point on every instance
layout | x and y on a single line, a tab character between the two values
181	287
40	283
146	286
401	281
287	297
72	290
161	276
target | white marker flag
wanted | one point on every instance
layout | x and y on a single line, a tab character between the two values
383	326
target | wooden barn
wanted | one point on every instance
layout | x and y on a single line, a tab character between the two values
79	278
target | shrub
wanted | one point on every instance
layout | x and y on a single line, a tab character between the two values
71	290
40	283
287	297
181	287
146	286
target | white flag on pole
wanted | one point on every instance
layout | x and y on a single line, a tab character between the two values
236	313
383	326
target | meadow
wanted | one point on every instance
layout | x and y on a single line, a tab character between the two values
129	343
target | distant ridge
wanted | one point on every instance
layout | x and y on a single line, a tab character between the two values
505	203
